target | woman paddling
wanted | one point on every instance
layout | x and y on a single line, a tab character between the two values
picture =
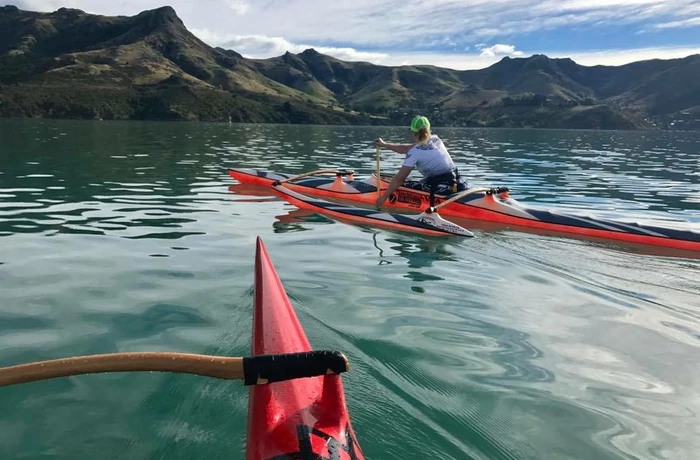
429	154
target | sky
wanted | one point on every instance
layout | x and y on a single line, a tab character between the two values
458	34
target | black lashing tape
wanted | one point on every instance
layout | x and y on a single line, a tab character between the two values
276	368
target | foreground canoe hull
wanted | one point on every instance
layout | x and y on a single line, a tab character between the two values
492	208
295	419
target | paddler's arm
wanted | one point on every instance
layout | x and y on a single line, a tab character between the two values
395	183
398	148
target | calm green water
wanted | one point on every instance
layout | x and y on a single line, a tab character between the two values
126	237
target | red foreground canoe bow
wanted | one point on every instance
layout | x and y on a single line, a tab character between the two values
295	419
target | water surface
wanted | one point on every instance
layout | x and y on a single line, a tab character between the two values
511	345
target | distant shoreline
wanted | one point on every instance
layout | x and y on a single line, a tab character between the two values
436	128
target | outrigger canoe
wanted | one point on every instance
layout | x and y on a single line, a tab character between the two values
293	419
490	207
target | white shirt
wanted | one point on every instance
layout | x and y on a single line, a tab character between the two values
431	158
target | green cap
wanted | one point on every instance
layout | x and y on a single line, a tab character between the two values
419	122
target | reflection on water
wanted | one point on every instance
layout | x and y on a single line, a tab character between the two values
510	345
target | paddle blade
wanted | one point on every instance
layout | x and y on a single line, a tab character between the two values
434	219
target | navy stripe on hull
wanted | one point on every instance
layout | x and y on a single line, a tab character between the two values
610	225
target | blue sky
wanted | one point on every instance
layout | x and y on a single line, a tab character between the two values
462	34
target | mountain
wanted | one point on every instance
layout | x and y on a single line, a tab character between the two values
72	64
534	91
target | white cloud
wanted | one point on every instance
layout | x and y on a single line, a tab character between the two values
692	22
583	5
499	50
351	54
620	56
367	22
262	46
368	29
465	61
390	24
240	8
457	61
44	5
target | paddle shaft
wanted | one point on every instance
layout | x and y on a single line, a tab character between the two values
252	370
379	176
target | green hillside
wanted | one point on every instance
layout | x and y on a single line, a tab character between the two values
72	64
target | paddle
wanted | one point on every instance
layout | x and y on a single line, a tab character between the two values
311	173
379	176
254	370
